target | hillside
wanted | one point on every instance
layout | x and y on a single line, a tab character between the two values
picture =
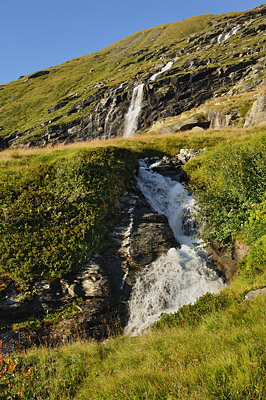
103	239
214	349
88	97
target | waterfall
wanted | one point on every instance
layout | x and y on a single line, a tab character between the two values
225	36
178	277
165	68
131	118
108	119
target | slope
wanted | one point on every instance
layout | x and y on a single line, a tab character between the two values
88	97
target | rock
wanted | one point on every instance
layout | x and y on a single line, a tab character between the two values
197	129
257	113
4	143
37	74
218	119
194	122
151	236
172	166
227	260
254	293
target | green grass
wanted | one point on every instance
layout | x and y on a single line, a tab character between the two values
214	349
222	358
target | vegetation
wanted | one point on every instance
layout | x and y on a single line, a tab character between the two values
31	104
224	357
54	215
229	181
213	349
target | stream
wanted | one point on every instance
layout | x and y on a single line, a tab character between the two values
180	276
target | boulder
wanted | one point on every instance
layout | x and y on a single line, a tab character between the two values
257	115
218	119
194	122
254	293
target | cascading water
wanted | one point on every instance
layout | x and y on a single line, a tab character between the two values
165	68
109	116
225	36
131	118
178	277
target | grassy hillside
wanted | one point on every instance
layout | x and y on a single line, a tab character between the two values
28	99
212	350
25	104
56	209
221	357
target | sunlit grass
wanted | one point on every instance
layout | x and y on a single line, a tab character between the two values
222	358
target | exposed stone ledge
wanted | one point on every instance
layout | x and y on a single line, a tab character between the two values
255	293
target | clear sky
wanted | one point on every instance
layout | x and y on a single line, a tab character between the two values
37	34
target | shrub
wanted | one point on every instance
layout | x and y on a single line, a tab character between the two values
255	262
191	314
54	216
227	181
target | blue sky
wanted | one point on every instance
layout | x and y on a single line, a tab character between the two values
39	34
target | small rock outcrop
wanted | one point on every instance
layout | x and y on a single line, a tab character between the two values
219	119
255	293
257	115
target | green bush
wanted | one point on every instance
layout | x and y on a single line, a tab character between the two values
227	182
255	262
53	217
191	314
256	226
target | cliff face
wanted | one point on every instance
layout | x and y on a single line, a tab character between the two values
179	66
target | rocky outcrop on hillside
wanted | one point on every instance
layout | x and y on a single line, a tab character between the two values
257	115
208	64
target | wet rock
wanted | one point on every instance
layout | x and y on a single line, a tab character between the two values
151	236
227	260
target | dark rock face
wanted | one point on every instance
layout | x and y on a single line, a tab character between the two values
181	93
37	74
3	143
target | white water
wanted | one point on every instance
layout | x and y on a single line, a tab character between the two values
132	116
225	36
165	68
108	119
178	277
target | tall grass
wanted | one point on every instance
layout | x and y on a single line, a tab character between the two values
222	358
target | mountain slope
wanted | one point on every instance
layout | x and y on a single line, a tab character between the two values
89	96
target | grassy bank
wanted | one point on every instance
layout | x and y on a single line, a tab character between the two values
54	202
55	210
214	349
222	358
